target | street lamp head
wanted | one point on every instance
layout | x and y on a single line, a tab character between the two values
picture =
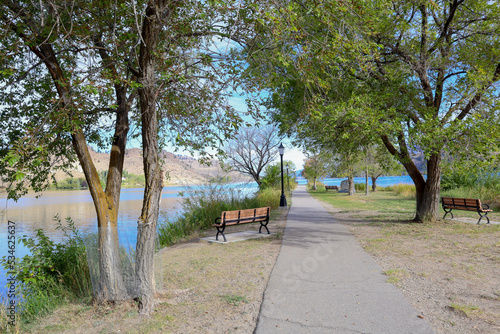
281	149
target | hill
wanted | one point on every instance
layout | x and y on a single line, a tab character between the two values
179	169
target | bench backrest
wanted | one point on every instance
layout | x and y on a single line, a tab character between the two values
467	202
245	214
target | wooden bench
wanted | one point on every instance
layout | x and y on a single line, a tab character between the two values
468	204
237	217
332	187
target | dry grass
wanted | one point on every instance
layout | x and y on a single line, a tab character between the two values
208	288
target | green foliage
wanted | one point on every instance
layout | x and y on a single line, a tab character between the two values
406	191
320	187
317	165
202	207
470	177
52	273
72	183
360	186
272	176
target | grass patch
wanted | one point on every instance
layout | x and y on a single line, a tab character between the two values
395	275
234	300
389	203
466	310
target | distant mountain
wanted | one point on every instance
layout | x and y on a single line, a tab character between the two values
180	169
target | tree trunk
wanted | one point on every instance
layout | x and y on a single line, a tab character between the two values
111	286
428	196
374	183
146	225
352	189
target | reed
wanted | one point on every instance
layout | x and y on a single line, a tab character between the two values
406	191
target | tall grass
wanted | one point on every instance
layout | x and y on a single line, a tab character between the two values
202	207
407	191
51	274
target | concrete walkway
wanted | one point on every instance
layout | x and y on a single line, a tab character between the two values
324	282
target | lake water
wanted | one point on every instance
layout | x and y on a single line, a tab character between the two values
382	181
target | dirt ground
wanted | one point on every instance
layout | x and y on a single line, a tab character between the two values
448	270
208	288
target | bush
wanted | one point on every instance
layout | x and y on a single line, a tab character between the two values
272	178
360	186
52	273
455	178
407	191
319	186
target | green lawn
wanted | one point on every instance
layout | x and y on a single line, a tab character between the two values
386	204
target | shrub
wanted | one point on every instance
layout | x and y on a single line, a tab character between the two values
319	186
360	186
404	190
52	273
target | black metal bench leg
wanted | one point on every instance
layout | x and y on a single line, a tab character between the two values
220	231
265	226
448	211
483	216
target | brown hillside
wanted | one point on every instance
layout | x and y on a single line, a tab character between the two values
180	169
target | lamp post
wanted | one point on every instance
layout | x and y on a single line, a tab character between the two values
281	150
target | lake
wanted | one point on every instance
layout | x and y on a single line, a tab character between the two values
382	181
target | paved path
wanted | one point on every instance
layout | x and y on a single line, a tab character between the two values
324	282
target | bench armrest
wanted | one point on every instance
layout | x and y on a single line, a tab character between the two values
485	206
217	219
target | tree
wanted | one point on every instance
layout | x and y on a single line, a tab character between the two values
42	51
272	175
380	162
347	164
421	76
252	150
71	60
317	165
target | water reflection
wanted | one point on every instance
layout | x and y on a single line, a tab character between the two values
31	213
